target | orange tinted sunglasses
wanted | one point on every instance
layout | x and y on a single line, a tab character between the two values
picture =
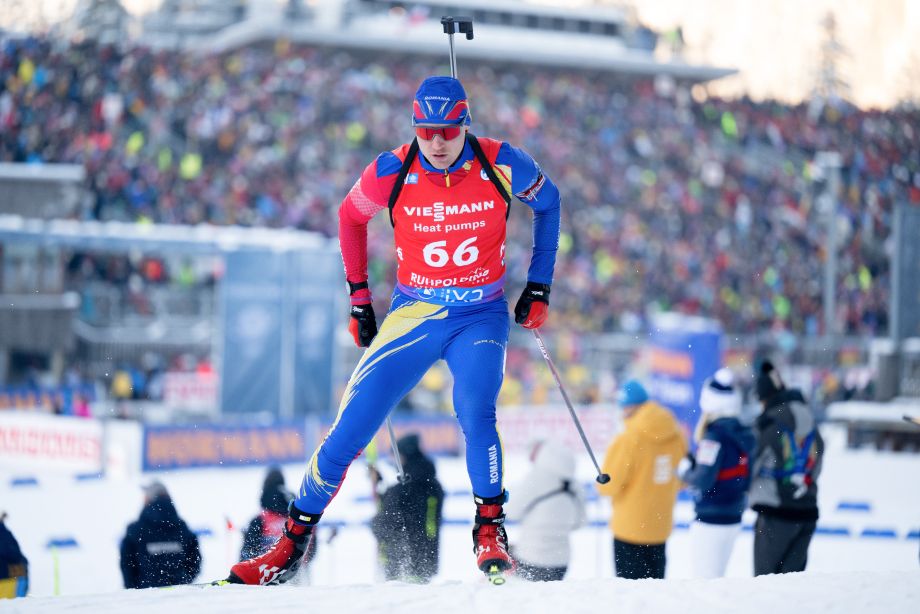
448	133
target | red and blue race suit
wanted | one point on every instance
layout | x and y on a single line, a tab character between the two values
449	235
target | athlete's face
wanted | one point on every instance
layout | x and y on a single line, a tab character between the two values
438	150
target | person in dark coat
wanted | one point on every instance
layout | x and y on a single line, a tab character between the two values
14	567
263	530
787	463
408	523
718	474
159	549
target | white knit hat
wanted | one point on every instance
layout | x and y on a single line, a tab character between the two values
719	396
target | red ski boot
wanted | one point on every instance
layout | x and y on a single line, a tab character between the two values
490	542
282	560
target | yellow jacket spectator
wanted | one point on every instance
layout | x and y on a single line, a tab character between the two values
641	462
122	386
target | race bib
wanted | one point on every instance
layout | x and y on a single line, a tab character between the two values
707	452
663	469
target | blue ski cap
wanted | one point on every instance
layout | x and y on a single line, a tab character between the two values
631	393
441	101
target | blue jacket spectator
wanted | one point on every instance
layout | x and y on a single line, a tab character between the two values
719	475
720	471
14	567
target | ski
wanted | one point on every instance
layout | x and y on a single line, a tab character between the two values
200	584
494	575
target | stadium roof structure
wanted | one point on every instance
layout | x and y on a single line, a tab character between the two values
124	236
585	39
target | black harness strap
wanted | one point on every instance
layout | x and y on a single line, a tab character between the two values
564	490
490	171
401	177
477	151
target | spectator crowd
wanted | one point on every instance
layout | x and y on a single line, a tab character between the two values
672	200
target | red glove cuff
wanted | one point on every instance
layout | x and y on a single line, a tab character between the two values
361	297
536	316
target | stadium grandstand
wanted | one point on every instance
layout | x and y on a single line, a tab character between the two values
602	38
220	115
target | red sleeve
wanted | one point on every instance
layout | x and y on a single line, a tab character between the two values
367	197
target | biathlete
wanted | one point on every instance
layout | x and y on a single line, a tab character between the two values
448	195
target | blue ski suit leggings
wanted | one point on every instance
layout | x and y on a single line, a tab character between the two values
415	334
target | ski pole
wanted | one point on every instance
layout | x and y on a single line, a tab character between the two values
452	25
402	477
602	478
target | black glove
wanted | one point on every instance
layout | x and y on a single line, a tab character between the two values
530	310
686	465
363	324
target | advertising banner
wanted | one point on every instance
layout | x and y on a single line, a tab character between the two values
190	391
905	304
178	447
317	315
34	442
683	352
252	292
518	427
280	312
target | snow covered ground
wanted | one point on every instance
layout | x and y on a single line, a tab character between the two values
891	591
864	558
